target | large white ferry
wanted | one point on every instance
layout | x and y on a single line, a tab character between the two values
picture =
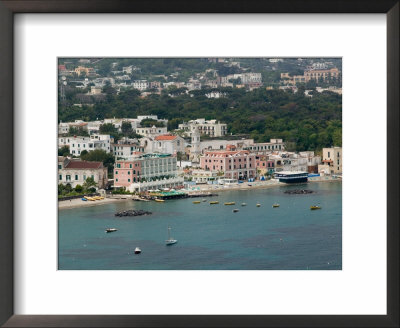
291	176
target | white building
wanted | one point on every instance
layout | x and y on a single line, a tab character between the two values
273	145
151	132
140	85
77	144
63	128
211	128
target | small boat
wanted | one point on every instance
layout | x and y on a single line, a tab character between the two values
258	205
84	199
111	230
275	205
170	240
90	198
196	202
230	203
160	200
315	207
137	250
244	204
204	200
214	202
235	210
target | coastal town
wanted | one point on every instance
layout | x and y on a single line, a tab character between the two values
199	163
162	160
148	156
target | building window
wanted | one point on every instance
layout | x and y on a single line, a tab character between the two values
60	177
329	154
129	180
92	176
68	177
116	172
59	167
76	177
84	178
129	172
116	180
130	166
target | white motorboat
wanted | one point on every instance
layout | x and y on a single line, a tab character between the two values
137	250
170	240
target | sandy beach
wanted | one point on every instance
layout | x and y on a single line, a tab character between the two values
74	203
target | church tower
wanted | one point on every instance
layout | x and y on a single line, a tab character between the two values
195	150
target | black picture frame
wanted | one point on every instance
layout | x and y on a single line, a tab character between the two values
10	7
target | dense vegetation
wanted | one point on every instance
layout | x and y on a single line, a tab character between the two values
308	123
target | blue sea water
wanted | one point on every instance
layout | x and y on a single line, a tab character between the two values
210	237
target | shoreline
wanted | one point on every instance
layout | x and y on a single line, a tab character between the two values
78	203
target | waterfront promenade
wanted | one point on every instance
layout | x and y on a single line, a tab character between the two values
74	203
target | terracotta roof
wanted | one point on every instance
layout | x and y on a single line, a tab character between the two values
84	165
165	137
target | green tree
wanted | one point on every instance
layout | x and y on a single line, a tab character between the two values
63	151
108	128
78	188
126	128
83	153
89	184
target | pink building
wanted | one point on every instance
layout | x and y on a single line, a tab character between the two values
126	173
236	164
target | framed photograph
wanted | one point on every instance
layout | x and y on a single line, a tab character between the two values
203	165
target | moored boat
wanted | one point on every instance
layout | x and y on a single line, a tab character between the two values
160	200
258	205
170	240
111	230
315	207
137	250
235	210
275	205
244	204
214	202
230	203
196	202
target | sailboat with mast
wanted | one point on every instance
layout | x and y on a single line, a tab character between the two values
170	240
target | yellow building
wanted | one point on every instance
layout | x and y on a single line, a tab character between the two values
333	158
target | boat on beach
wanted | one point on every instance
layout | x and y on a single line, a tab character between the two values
230	203
111	230
315	207
170	240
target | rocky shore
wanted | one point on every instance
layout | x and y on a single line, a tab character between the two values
299	192
132	213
